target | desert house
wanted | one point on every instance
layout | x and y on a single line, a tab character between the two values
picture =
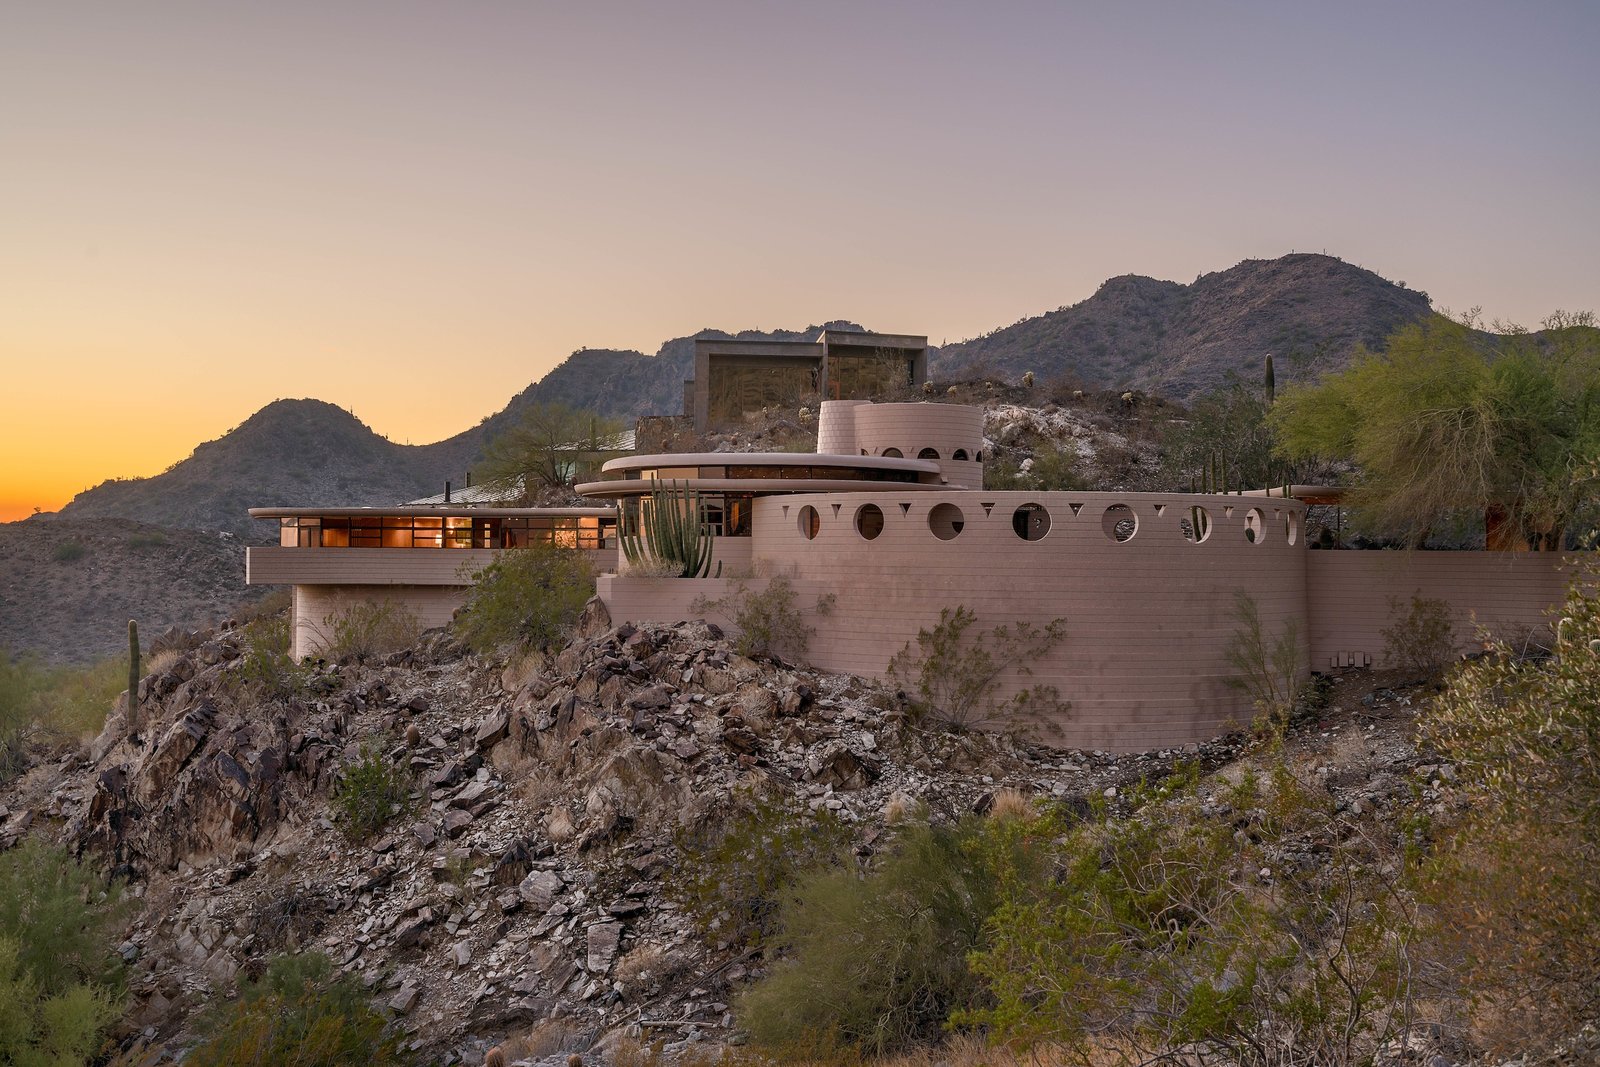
888	523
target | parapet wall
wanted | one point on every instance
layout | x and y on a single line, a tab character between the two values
1353	596
953	432
314	605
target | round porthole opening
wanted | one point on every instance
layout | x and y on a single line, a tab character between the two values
869	521
1030	522
1119	523
810	523
946	521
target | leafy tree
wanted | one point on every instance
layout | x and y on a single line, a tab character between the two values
547	448
1447	422
528	598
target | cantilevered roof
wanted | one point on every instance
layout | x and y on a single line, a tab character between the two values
433	512
770	459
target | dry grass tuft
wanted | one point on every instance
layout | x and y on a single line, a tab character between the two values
161	662
1011	803
548	1038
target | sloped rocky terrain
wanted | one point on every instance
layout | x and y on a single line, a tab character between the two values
536	877
69	586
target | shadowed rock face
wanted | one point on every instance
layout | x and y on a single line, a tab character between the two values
1308	311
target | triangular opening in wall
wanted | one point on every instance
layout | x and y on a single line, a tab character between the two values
988	507
1227	511
1075	508
1161	509
905	509
786	511
836	510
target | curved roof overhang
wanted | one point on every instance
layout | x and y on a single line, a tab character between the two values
1306	494
430	511
769	459
625	487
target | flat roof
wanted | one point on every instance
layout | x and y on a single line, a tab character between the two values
770	459
762	486
433	512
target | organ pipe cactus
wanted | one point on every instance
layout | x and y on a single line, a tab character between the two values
670	530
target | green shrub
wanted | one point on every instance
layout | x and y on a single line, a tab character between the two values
265	670
952	675
298	1013
768	621
368	629
1515	886
1165	933
528	598
370	793
1420	639
51	706
878	963
68	552
60	980
1268	668
735	874
1055	469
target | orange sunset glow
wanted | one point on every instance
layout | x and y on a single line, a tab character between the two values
413	211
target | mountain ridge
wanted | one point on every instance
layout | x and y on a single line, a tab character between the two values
1309	311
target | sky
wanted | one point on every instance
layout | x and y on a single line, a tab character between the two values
413	210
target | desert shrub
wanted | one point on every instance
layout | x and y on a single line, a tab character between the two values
1267	667
142	541
1162	935
1514	888
736	873
371	791
68	552
1420	639
1055	469
878	963
952	674
1001	474
299	1012
769	622
369	629
50	706
528	598
265	670
22	684
60	981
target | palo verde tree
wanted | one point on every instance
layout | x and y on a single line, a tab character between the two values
548	448
1450	423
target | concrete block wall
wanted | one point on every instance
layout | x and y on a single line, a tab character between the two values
433	605
1350	594
847	427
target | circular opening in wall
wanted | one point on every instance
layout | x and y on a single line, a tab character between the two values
959	454
1119	523
869	521
1195	522
1255	526
1031	522
810	522
946	520
928	453
892	453
1291	527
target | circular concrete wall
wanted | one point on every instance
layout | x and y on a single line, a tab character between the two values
1148	600
950	434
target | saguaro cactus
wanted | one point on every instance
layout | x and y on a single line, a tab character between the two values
1272	382
670	530
133	676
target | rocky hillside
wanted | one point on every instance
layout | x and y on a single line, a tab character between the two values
1308	311
68	586
537	892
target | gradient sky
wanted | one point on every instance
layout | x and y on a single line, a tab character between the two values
413	210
